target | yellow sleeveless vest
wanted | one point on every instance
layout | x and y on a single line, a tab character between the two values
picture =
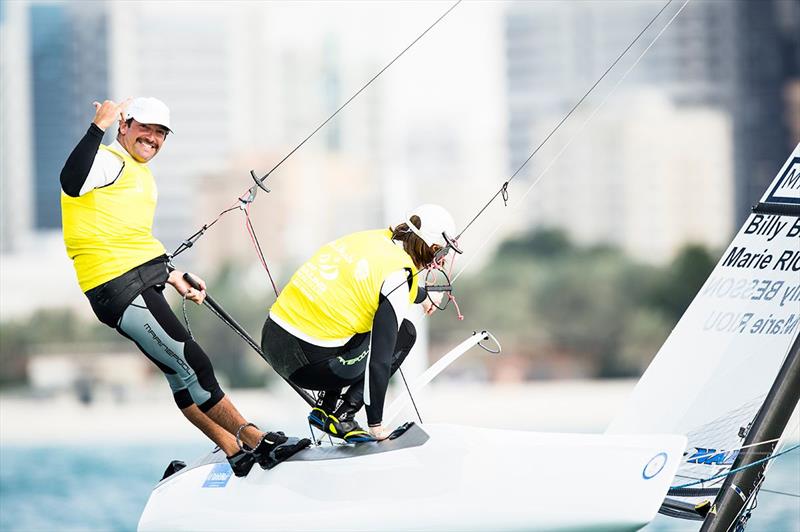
109	230
335	294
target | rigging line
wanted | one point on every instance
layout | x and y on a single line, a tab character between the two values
504	187
746	511
691	477
260	180
736	470
254	239
353	97
516	206
189	242
409	394
586	122
776	492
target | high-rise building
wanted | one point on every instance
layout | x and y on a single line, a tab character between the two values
15	132
236	91
615	188
768	57
69	70
728	56
186	57
252	80
556	51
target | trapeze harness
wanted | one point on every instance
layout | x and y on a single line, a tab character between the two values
108	201
341	319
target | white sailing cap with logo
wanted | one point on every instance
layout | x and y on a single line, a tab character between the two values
435	223
148	111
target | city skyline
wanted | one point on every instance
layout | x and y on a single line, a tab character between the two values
247	81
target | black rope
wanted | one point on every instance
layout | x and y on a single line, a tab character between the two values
189	242
409	395
398	56
248	341
504	189
186	317
776	492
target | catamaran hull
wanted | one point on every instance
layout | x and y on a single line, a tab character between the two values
436	477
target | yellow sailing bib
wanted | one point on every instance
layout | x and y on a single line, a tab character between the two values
109	230
335	294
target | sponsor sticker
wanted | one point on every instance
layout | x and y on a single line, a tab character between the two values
219	476
787	188
708	456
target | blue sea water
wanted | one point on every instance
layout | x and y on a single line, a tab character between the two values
82	488
106	488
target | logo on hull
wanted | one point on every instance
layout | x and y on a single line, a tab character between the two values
219	476
654	466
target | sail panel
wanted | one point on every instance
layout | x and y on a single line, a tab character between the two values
712	374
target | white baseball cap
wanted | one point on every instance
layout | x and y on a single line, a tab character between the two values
148	111
435	222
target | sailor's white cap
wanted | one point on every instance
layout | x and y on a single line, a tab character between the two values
435	222
148	111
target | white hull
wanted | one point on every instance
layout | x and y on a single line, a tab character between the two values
460	478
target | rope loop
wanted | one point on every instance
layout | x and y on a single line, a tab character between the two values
186	317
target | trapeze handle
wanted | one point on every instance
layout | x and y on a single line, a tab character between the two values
220	312
191	280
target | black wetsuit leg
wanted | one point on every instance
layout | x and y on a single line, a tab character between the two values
329	369
158	333
332	368
406	338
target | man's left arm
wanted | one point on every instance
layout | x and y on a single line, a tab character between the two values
81	172
80	162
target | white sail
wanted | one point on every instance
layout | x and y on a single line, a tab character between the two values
712	374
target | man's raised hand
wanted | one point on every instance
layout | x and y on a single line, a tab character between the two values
108	112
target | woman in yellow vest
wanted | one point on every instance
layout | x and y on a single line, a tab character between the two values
341	319
108	201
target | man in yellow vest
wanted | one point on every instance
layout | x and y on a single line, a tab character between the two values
108	201
341	320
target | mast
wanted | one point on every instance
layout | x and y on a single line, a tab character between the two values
769	424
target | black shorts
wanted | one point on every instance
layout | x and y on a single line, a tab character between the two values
134	305
324	368
110	299
286	354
